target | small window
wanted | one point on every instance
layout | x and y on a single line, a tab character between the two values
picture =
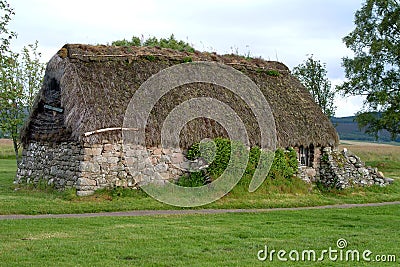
302	156
306	155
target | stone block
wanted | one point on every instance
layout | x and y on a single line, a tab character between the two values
166	151
117	147
96	151
157	151
161	167
90	167
165	158
108	147
53	170
165	176
131	153
352	160
113	160
80	193
88	151
85	182
311	172
177	158
389	180
148	172
116	168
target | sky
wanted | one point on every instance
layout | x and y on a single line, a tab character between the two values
285	30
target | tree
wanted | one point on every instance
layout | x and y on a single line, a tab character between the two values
11	95
374	71
32	73
20	79
312	74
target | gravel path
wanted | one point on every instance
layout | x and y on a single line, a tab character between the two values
187	211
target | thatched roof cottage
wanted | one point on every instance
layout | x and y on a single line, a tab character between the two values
87	88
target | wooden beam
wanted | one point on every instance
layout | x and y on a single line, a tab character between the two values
110	129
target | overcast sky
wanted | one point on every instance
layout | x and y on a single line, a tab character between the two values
283	30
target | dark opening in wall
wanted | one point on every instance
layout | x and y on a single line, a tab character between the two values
306	155
53	93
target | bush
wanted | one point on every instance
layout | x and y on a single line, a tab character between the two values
218	152
192	179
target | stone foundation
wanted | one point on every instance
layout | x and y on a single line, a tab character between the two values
89	167
95	166
57	165
344	169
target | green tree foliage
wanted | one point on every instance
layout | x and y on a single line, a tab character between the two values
11	95
20	79
312	74
374	71
32	73
171	43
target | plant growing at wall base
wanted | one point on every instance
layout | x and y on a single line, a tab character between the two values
284	165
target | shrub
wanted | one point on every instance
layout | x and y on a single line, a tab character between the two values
218	152
192	179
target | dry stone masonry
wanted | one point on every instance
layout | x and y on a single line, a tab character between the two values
344	169
90	167
56	164
94	166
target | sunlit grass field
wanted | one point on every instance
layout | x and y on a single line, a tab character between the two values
201	240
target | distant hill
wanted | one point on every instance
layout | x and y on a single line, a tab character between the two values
348	129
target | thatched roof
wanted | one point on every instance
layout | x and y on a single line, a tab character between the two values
92	85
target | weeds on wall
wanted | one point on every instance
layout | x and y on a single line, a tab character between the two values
284	165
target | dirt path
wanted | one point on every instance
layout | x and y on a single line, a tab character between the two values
181	212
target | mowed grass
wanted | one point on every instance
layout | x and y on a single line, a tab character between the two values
273	193
201	240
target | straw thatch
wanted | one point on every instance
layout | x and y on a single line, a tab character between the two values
94	84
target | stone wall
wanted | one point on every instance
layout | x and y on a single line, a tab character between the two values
344	169
116	164
57	165
90	167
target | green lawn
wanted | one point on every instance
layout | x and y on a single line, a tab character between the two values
199	240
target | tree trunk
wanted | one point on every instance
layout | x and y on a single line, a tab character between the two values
16	146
